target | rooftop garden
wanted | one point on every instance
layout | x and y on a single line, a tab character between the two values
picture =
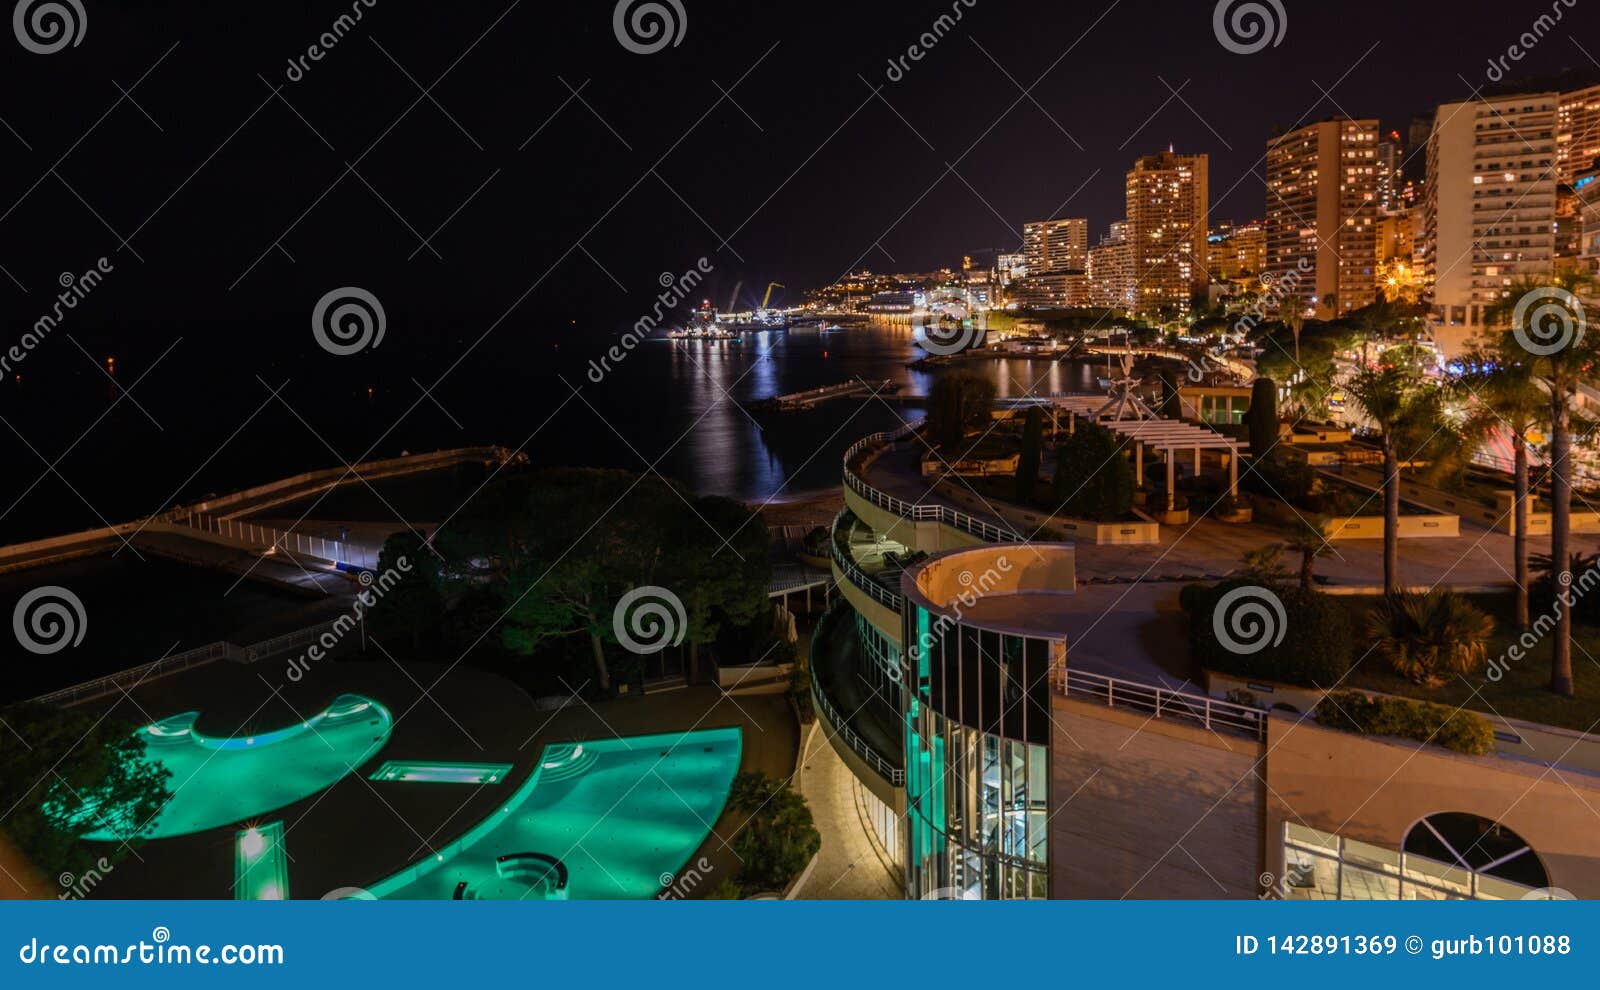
1442	648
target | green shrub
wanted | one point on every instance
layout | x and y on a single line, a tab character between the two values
1262	417
1424	637
1454	729
1094	478
1316	647
778	838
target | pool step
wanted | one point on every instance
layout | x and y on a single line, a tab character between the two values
564	761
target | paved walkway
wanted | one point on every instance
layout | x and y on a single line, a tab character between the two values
851	865
1208	550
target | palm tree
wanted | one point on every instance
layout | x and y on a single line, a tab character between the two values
1296	322
1542	305
1508	399
1310	545
1410	415
1423	636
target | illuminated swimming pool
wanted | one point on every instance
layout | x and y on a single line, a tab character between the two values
596	820
223	781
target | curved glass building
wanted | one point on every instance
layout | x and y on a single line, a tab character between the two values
978	654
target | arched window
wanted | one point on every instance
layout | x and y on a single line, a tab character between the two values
1477	844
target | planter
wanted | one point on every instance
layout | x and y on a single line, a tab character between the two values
1177	517
1237	517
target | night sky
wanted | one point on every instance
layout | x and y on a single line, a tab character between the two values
802	170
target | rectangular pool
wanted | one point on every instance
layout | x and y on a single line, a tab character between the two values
429	772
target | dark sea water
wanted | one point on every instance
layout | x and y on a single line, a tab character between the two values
205	420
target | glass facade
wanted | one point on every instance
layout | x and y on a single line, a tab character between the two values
977	767
882	671
1323	866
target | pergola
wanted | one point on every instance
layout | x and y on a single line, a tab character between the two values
1166	435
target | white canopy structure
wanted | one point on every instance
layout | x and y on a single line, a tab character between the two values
1169	436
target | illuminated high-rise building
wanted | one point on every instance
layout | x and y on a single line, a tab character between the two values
1168	198
1489	209
1322	213
1056	245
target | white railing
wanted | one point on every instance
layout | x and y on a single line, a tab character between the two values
986	531
1159	702
858	745
874	589
266	537
123	680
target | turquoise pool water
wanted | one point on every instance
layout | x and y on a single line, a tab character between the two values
610	819
223	781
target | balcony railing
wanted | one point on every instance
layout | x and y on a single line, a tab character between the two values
873	589
893	774
1157	702
917	511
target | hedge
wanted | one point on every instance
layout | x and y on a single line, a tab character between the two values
1454	729
1316	649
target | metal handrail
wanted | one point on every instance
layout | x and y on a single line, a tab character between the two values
874	589
894	775
1160	702
122	680
99	686
986	531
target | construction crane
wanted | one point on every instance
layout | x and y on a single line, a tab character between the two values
768	297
